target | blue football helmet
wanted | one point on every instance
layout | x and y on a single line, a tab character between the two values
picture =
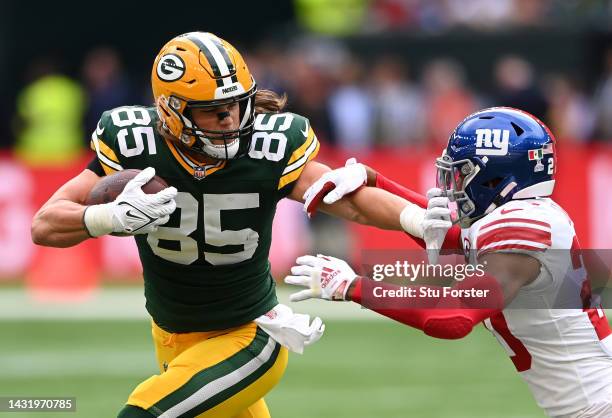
494	156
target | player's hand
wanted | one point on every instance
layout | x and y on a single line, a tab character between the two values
324	278
436	223
335	184
136	212
133	211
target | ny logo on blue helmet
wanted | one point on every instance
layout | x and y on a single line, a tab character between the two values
494	156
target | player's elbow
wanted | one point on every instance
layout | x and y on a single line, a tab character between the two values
42	233
452	328
37	230
47	238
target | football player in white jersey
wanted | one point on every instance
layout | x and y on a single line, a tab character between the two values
499	168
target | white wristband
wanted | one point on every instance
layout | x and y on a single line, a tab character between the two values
98	219
411	220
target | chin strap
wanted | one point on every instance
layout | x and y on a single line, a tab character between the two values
247	114
499	199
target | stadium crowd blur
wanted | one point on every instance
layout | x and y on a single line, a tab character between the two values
360	97
355	102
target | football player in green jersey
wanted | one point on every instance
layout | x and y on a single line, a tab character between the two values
229	154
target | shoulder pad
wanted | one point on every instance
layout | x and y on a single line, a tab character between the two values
126	119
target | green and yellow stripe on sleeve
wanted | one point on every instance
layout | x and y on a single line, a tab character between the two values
107	157
306	152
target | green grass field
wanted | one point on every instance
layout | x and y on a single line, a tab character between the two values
363	368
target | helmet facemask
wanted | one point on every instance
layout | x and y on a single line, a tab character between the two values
236	142
463	178
452	178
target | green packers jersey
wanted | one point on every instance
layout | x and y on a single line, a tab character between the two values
207	268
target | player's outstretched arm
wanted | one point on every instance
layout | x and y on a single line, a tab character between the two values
450	317
325	187
332	185
368	205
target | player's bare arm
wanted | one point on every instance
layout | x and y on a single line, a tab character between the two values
337	183
358	206
65	220
59	222
375	200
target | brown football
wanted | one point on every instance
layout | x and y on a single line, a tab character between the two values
109	187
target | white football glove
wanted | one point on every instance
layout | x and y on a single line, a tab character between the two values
324	277
436	223
335	184
290	329
133	211
429	224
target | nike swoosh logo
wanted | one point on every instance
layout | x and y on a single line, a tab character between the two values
504	211
135	216
99	131
138	215
306	130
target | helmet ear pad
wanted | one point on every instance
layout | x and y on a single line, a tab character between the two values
496	189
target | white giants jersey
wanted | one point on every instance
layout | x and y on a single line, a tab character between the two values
562	349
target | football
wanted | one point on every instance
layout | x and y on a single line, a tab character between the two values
109	187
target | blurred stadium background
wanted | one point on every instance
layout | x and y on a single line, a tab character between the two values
382	80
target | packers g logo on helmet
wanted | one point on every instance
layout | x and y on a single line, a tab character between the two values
170	67
200	70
